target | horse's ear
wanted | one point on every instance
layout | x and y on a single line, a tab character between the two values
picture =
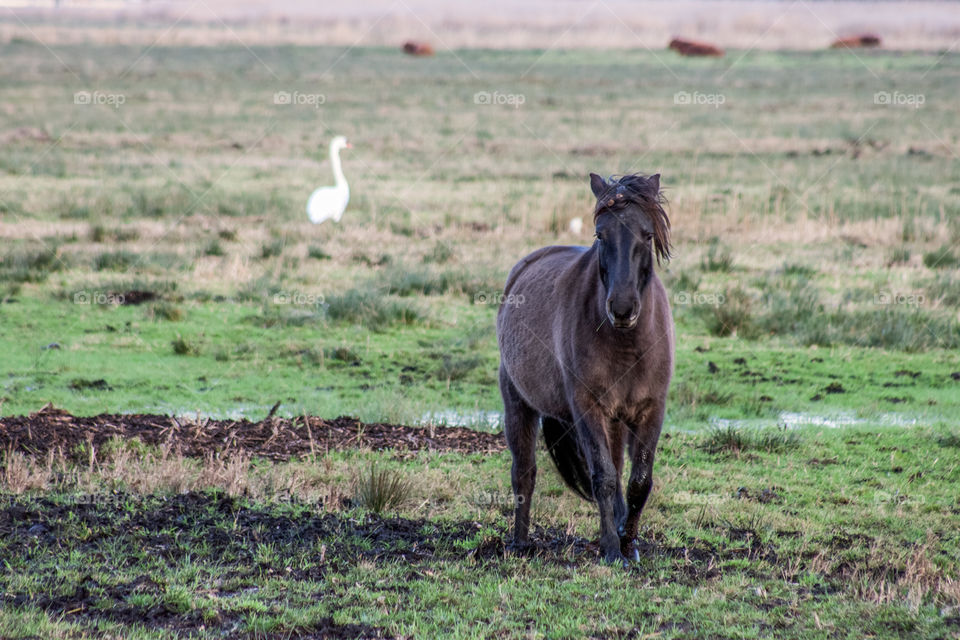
654	182
597	184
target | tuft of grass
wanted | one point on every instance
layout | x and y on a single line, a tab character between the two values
370	308
457	367
380	261
272	249
259	289
684	281
185	347
789	307
732	316
114	261
99	233
942	258
898	255
718	258
949	440
381	490
735	440
797	269
317	253
165	311
441	253
31	265
890	328
341	353
945	289
214	249
424	281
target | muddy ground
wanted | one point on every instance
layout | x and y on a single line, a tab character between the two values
275	438
229	533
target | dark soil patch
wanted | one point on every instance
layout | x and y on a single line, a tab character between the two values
136	296
81	384
906	372
275	438
765	495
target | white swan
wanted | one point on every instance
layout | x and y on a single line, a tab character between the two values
330	202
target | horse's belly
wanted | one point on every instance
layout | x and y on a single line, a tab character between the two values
529	359
542	391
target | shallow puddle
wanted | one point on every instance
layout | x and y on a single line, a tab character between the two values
797	419
486	420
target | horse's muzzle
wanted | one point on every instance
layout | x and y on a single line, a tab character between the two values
621	320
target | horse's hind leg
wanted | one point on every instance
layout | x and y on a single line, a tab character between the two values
520	428
641	475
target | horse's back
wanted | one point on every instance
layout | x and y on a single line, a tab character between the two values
542	267
528	324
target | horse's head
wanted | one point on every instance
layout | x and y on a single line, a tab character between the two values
631	226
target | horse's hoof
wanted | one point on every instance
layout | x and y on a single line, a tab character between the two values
615	558
520	548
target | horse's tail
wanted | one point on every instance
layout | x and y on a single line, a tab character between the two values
561	441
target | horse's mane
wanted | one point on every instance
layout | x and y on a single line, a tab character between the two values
643	192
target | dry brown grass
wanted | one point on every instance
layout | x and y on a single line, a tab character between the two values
888	575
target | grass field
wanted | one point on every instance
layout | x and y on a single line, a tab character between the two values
814	285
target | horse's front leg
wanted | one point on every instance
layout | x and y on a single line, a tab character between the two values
592	432
645	436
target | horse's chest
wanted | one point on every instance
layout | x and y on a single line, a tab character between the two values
621	378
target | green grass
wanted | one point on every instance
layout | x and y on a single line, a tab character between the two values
436	221
813	283
805	533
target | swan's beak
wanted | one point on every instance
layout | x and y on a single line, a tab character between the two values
349	146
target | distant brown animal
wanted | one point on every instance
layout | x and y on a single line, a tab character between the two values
853	42
414	48
586	354
692	48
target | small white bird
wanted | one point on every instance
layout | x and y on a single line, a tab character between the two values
576	226
330	202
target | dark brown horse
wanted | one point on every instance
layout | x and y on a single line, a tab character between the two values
586	351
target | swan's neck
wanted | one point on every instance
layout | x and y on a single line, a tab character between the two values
338	176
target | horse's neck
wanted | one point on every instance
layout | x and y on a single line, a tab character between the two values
596	305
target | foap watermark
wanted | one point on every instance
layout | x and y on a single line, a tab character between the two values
905	299
114	100
497	499
899	99
698	298
693	497
498	298
897	498
298	99
686	98
98	298
299	298
515	100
